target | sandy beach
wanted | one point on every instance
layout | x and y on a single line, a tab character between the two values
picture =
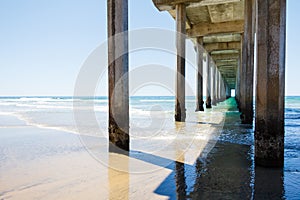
41	163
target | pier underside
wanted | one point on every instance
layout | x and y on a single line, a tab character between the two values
223	32
226	30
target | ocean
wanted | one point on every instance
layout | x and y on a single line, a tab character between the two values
152	128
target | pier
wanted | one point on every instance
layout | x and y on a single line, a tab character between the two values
231	32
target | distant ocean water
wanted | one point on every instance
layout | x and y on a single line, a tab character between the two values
57	113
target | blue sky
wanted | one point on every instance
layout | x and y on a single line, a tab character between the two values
45	42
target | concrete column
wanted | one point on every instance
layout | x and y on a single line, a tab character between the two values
225	88
248	62
223	93
269	122
213	88
180	112
237	85
208	81
243	75
199	100
228	91
220	87
242	80
217	87
238	82
117	20
225	97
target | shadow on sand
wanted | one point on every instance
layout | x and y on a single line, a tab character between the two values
227	172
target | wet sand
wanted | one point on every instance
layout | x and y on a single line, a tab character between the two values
48	164
41	163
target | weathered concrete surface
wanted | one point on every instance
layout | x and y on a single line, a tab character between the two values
180	111
242	78
203	29
217	87
269	123
222	46
219	22
208	82
222	88
117	21
224	24
199	100
227	91
213	87
238	80
248	62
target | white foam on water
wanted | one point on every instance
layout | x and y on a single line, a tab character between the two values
37	99
7	113
157	100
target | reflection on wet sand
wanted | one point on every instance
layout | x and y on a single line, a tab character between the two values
225	175
180	181
268	184
188	167
180	176
227	172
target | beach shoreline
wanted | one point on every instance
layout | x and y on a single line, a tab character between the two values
44	163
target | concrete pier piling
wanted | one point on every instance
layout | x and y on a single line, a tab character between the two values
208	82
220	87
199	99
238	82
269	122
180	111
213	85
227	91
117	22
223	90
248	62
226	29
217	87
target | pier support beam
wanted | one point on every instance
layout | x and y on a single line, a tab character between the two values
223	90
248	62
217	86
238	83
221	87
213	88
199	100
180	112
208	81
269	123
242	80
117	20
228	91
